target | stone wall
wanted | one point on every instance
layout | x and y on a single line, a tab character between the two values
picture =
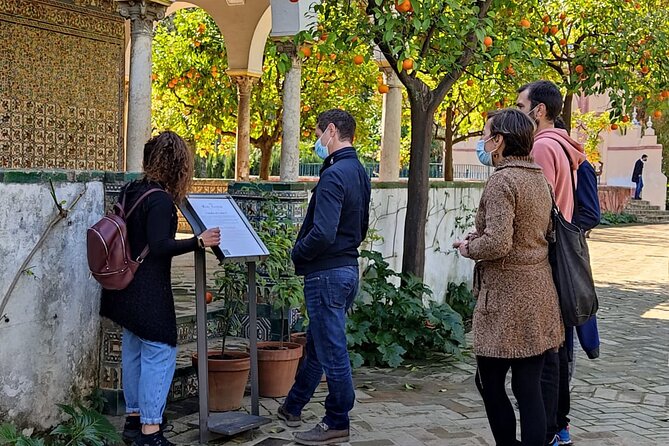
49	327
61	84
451	211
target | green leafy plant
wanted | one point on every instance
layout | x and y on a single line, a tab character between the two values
611	218
82	427
461	299
231	289
392	323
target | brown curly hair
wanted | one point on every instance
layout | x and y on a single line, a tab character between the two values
168	160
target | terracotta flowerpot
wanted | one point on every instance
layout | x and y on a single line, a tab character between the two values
301	338
277	367
227	379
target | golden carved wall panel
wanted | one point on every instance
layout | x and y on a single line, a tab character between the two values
61	84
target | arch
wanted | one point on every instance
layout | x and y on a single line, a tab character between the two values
245	29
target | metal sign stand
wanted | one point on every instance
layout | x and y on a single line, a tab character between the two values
223	423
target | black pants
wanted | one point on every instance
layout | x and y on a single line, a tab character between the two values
555	391
526	387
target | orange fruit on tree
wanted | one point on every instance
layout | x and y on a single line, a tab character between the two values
484	115
545	29
563	16
625	118
665	94
657	114
579	69
403	6
407	64
614	126
324	37
563	42
487	41
470	82
201	28
306	51
306	108
383	89
358	59
644	69
546	19
333	56
197	43
554	30
524	23
208	297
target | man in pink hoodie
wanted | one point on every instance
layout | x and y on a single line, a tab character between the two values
559	157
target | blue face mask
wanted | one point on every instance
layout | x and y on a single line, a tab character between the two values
321	150
484	157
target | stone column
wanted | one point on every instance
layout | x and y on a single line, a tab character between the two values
244	86
290	141
389	169
142	14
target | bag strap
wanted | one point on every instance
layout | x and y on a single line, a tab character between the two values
145	251
575	214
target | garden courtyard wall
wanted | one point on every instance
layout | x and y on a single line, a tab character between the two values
51	347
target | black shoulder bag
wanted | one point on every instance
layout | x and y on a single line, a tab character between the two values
570	261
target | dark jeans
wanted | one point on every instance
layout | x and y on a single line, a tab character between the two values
555	391
328	294
639	186
526	387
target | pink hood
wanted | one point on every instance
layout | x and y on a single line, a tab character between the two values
548	153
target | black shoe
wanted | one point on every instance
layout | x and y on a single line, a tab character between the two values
289	419
322	435
133	427
157	439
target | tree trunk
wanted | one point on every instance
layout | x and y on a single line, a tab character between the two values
448	146
413	258
566	110
265	159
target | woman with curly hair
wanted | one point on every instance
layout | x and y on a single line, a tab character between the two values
145	309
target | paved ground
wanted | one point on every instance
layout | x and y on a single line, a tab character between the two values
619	399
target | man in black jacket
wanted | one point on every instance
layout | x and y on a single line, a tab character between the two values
637	175
326	254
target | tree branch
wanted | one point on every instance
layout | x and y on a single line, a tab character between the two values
464	59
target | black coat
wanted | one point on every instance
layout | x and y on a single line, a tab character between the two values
638	170
146	306
337	217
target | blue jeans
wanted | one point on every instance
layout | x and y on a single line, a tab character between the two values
328	294
639	186
148	368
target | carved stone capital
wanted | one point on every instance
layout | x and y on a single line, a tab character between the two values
288	48
244	83
391	78
142	14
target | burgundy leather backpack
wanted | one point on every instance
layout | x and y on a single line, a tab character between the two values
109	258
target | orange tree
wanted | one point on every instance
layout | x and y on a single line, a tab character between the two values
429	44
193	96
614	47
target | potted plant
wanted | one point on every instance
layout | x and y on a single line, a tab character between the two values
228	369
278	360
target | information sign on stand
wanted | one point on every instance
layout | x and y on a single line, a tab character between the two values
241	244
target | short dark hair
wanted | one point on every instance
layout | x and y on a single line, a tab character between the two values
516	128
644	156
547	93
342	120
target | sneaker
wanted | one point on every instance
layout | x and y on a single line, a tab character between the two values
289	419
133	427
564	439
157	439
322	434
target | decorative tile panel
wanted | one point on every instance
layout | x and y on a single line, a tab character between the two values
61	84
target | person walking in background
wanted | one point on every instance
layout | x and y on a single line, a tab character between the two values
517	320
637	175
559	157
326	254
145	309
